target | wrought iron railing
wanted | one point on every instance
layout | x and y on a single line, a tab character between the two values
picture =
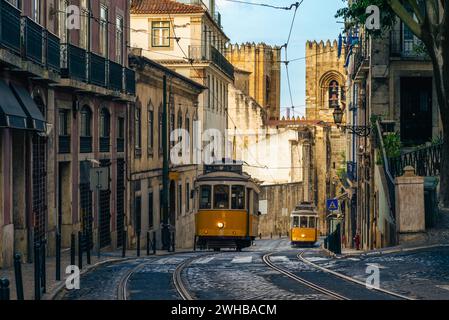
223	63
33	40
351	169
64	144
53	52
120	145
198	53
104	144
406	47
9	26
85	144
426	161
130	81
115	76
73	62
97	70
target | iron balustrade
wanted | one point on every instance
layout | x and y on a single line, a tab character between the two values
402	47
426	161
115	76
221	61
130	81
198	53
73	62
97	70
120	145
85	144
104	144
9	26
33	40
53	51
64	144
351	168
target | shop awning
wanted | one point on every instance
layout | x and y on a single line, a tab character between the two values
11	113
36	120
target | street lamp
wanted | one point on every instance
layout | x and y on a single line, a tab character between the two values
361	131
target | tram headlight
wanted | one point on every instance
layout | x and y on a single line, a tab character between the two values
303	235
220	225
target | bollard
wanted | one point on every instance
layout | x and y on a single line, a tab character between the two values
153	243
80	250
18	275
173	243
58	256
4	289
148	243
37	271
87	241
72	249
138	243
43	266
124	244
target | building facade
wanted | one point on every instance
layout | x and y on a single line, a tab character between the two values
145	160
187	37
73	87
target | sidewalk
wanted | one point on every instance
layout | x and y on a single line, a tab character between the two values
52	285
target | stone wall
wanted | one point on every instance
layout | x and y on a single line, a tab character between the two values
281	200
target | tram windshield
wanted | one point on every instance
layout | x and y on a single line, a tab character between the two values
238	197
205	197
303	222
221	197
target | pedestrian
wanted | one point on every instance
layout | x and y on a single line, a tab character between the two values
357	241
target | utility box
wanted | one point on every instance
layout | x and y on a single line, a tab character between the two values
431	201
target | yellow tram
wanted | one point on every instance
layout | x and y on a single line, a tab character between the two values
304	225
227	202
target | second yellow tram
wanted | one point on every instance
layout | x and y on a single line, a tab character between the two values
227	203
304	225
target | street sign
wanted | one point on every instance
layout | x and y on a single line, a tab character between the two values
332	204
99	178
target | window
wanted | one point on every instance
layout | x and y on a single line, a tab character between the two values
238	198
119	40
312	221
209	96
150	210
159	138
187	197
85	122
104	31
104	123
179	125
121	128
63	123
221	197
333	94
303	222
35	10
150	132
179	207
172	127
160	34
137	129
256	203
295	222
205	197
84	25
15	3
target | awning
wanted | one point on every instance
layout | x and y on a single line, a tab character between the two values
11	113
36	120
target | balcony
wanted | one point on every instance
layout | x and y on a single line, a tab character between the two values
130	81
33	40
200	53
104	144
64	144
115	76
73	62
53	52
407	46
85	144
351	169
9	26
120	145
97	70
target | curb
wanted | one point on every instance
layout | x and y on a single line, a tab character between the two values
387	251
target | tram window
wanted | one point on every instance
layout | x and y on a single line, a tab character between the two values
221	197
205	197
303	222
256	203
311	222
295	222
238	197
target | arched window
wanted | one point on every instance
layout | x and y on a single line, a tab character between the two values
334	90
86	116
104	123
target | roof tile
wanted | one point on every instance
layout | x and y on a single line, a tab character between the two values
164	6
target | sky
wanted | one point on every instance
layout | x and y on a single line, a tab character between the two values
314	21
